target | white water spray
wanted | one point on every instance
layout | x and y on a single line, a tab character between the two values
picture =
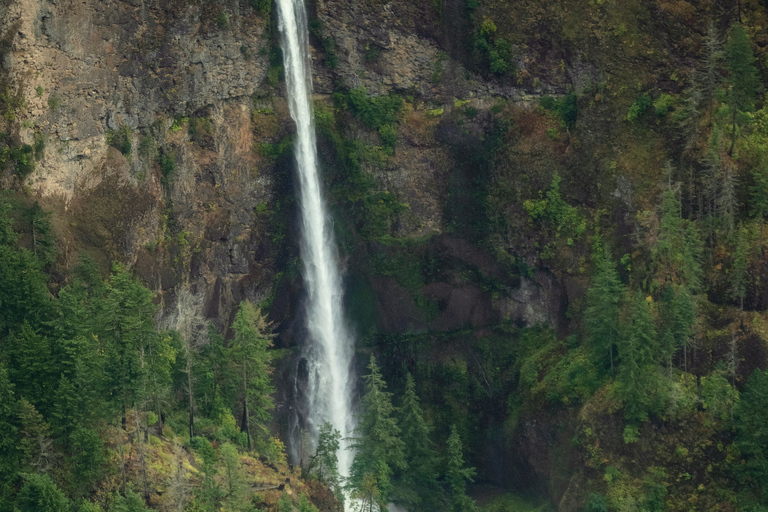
330	353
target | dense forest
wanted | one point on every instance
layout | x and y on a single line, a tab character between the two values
553	235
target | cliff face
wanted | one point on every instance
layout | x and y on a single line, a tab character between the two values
114	90
158	134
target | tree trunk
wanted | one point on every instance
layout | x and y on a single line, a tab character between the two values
244	424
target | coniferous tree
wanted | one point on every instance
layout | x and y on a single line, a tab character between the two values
418	488
758	196
36	446
603	308
40	494
9	440
125	327
742	77
233	476
324	463
457	475
636	384
751	421
378	447
713	62
248	356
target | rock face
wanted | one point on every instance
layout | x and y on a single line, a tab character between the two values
160	124
145	112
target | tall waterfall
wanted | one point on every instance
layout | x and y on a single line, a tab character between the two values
329	355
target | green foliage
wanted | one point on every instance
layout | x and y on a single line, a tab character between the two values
262	6
377	443
566	219
565	108
457	475
493	50
639	107
222	20
250	362
325	460
167	163
40	494
752	436
131	502
596	503
603	309
373	112
417	488
742	73
120	139
304	505
662	105
637	382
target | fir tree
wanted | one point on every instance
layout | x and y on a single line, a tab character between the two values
635	379
378	447
603	308
325	459
751	423
418	488
125	326
742	77
457	475
40	494
9	439
248	356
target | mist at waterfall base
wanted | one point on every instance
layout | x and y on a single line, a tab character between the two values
329	349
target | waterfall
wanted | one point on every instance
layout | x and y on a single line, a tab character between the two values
329	353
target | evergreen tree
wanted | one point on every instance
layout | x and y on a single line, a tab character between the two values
457	475
233	477
325	460
125	327
42	233
713	62
248	356
378	447
758	196
9	439
742	77
36	448
284	504
603	308
418	488
636	384
304	505
751	421
739	269
40	494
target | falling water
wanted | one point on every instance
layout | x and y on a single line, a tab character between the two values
330	353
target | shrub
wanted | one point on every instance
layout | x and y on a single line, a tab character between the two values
120	139
640	105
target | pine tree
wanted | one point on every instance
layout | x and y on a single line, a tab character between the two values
603	308
418	488
248	356
742	77
378	447
457	475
